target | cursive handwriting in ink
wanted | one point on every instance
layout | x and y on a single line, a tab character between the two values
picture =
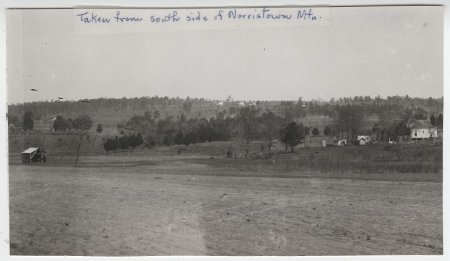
257	14
126	19
197	16
171	17
306	15
89	17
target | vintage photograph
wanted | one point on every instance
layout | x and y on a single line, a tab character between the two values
256	131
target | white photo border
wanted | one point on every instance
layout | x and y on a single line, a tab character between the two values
4	199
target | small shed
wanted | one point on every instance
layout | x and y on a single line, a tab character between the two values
342	143
34	154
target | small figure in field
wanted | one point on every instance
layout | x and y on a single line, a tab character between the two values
229	154
179	151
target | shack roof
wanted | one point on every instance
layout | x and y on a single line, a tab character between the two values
31	150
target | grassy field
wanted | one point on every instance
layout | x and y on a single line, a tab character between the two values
160	203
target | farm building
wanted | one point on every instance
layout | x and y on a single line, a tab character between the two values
315	142
364	139
342	143
34	154
421	130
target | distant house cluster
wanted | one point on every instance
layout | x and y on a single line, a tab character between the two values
418	131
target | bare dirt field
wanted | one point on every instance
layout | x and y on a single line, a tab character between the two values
182	205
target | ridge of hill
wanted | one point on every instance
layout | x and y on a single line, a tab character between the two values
110	111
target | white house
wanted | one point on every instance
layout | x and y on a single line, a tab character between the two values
363	139
421	130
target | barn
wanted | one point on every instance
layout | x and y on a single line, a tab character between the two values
315	142
34	154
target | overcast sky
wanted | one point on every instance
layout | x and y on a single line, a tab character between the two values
362	51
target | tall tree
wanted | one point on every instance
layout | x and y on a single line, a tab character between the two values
82	125
59	124
27	121
124	142
327	131
109	145
270	125
315	132
433	120
291	135
440	121
139	139
246	120
350	118
133	141
402	129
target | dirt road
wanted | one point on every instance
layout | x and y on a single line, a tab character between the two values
154	210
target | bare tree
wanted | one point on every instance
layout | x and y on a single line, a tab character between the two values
247	125
350	118
82	125
270	125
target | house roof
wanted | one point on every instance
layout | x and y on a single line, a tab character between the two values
363	137
421	125
30	150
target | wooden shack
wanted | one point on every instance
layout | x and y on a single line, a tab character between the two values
34	154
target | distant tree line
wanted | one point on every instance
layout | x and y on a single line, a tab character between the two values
169	131
253	123
262	121
250	123
419	108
